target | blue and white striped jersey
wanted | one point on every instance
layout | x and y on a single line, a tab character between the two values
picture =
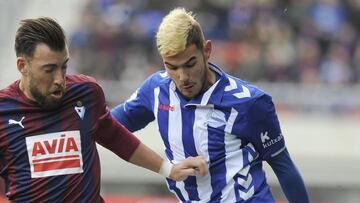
233	125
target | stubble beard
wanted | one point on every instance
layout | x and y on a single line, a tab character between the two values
204	85
203	81
44	101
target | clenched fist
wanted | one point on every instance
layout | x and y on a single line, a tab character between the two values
191	166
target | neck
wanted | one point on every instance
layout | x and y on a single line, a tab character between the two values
25	89
210	78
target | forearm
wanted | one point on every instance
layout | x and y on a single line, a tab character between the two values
289	178
146	158
191	166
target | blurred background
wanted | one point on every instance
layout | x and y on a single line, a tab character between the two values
306	54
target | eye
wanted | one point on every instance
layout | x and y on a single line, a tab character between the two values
48	69
190	64
169	67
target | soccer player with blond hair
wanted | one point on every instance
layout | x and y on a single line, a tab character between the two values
201	110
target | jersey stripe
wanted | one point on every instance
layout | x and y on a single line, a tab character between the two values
216	149
234	161
89	166
10	172
163	119
156	101
201	143
175	136
187	119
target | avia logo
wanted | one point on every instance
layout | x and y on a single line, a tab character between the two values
12	122
55	154
64	144
264	137
166	107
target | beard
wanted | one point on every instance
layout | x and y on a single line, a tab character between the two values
204	84
45	101
203	79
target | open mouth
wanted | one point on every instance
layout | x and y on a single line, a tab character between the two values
57	94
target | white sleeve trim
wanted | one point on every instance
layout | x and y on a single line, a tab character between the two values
278	152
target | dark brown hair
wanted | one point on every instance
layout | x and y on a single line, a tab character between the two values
196	36
39	30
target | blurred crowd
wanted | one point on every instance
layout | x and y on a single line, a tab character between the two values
307	41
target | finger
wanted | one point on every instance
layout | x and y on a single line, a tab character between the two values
189	162
198	164
189	172
202	166
202	170
192	162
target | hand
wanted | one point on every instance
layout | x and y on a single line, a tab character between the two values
191	166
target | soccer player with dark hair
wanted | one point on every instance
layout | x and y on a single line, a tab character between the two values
50	122
201	110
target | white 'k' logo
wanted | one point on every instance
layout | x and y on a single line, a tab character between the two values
264	136
12	121
80	110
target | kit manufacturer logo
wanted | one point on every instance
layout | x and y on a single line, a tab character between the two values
14	122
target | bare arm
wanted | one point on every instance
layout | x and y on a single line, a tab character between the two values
146	158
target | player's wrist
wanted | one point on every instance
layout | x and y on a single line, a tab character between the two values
165	169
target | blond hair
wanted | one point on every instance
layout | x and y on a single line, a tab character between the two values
178	30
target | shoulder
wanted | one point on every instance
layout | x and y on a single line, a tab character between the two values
73	79
82	80
159	77
83	86
78	85
10	91
241	93
156	79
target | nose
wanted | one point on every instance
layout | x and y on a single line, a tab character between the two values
59	77
183	75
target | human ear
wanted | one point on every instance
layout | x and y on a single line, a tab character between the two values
207	49
21	65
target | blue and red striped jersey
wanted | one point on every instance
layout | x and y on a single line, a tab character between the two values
51	155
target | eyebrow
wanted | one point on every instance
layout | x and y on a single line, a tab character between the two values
188	61
52	64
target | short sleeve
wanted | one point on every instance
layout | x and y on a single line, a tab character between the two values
139	106
110	133
143	96
136	112
264	128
